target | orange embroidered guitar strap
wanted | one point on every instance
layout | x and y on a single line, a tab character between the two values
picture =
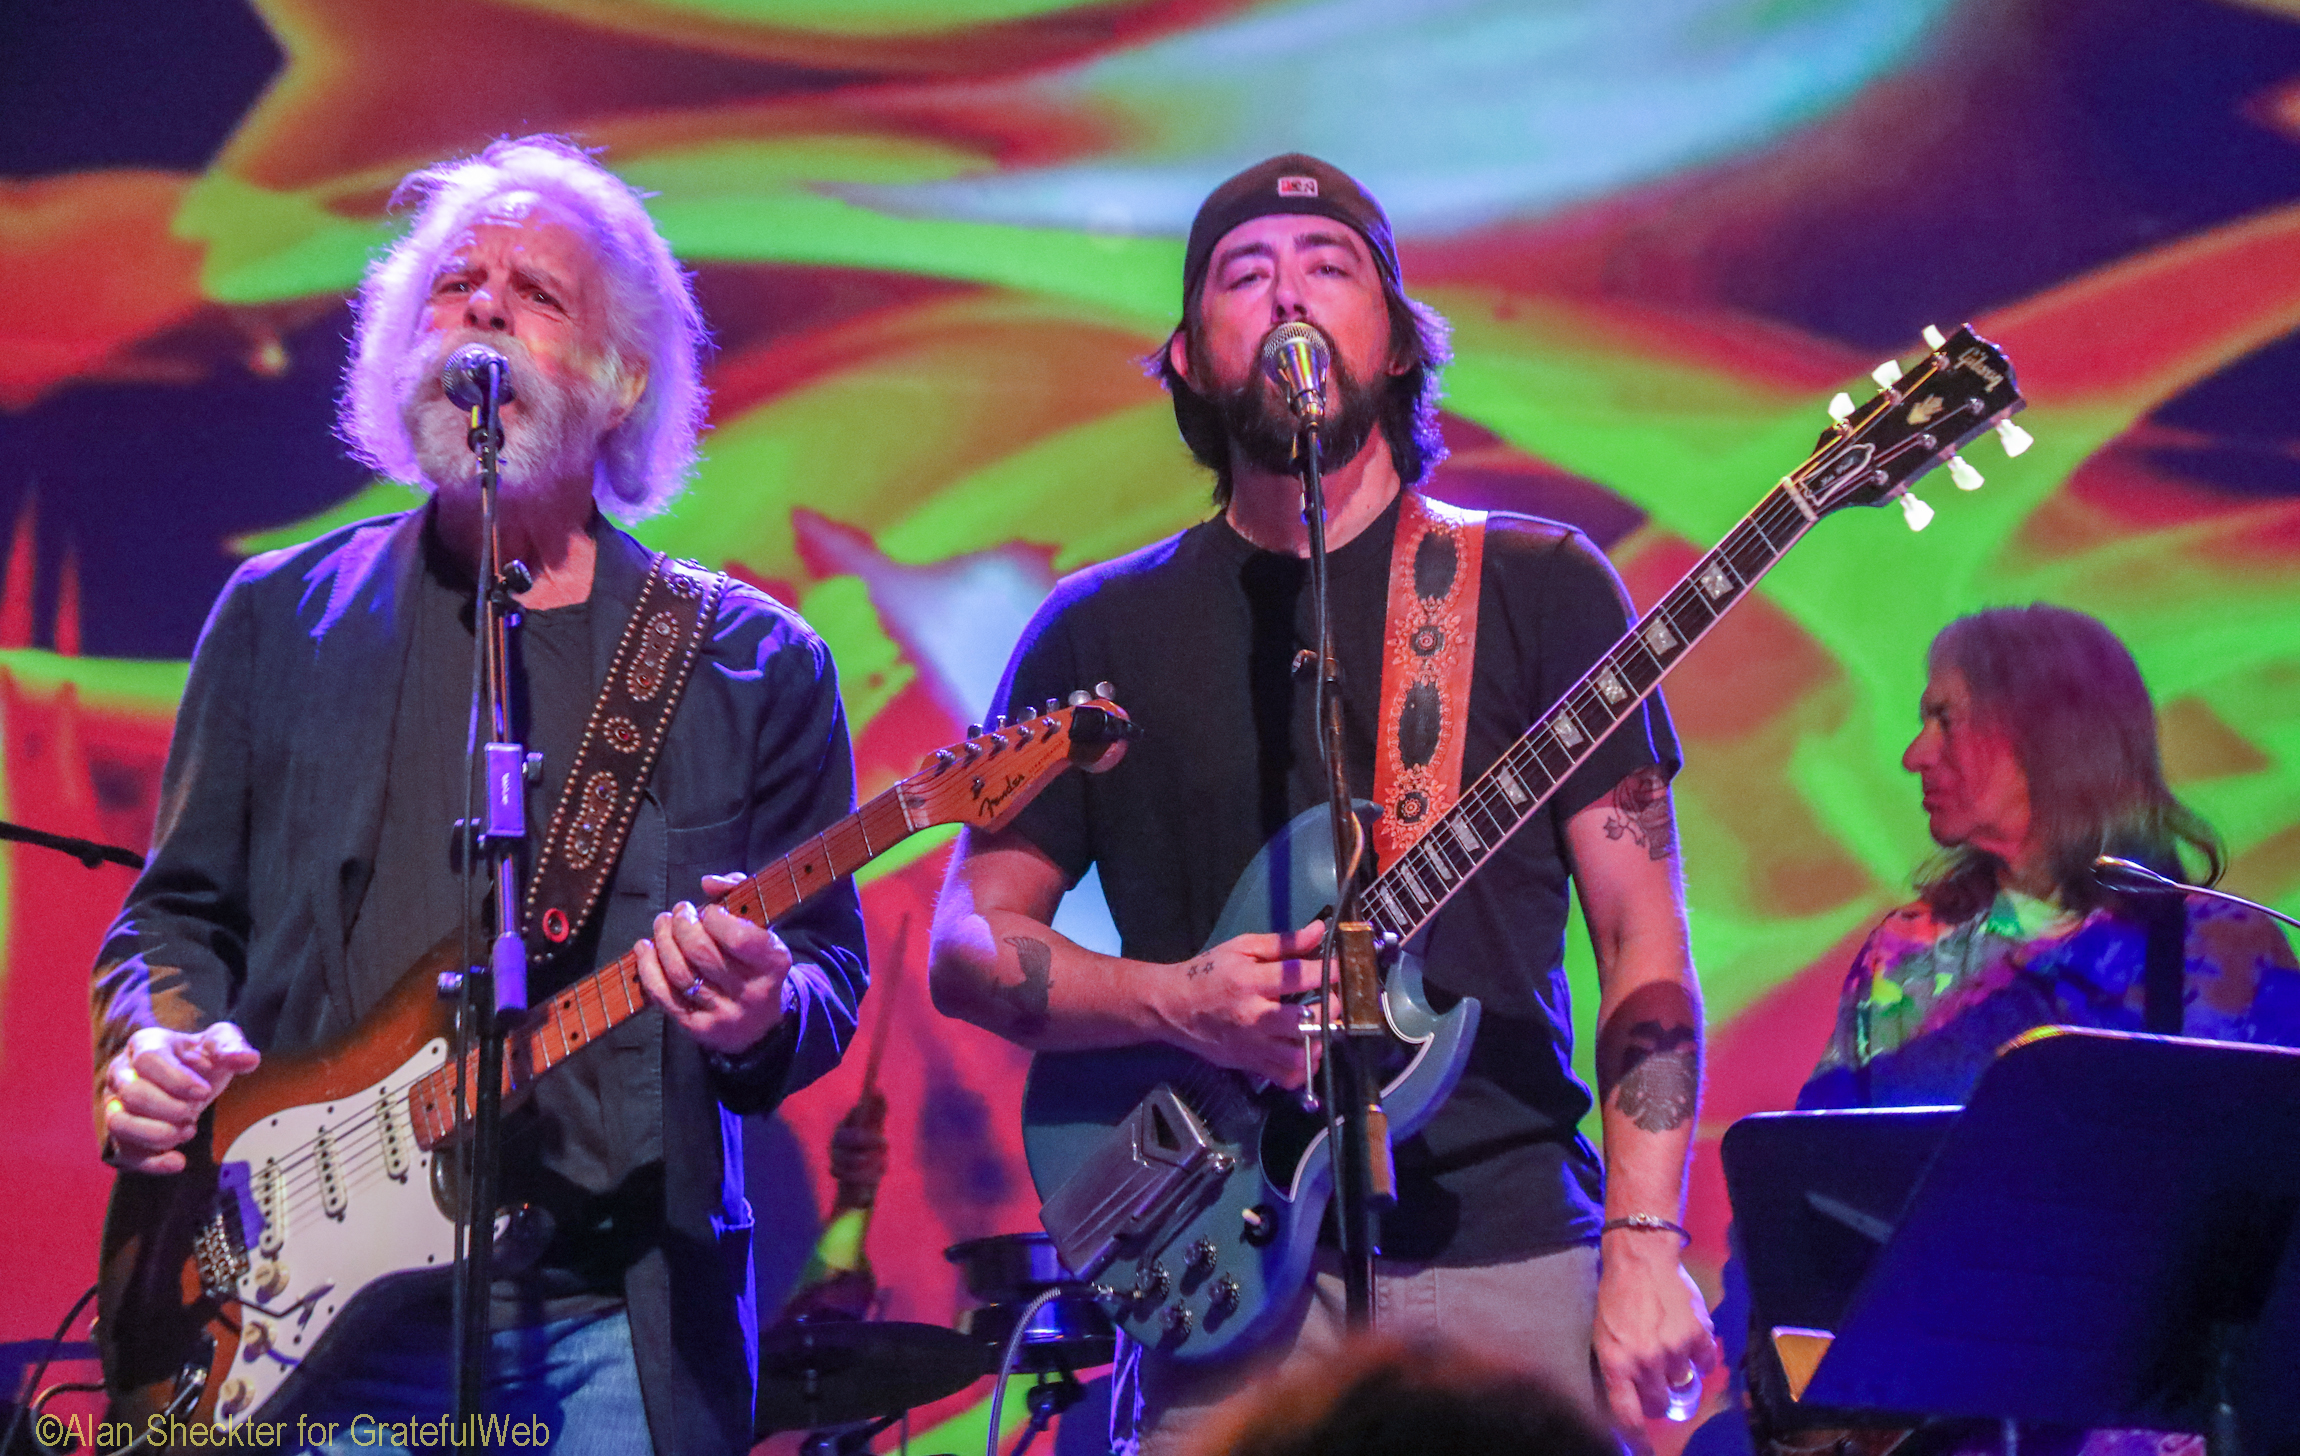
1430	648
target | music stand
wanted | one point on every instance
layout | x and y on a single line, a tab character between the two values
2101	1238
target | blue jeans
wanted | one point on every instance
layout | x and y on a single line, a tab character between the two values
574	1381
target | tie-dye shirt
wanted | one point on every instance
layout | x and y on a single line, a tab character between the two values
1927	1005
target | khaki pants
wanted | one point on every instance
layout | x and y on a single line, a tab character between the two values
1533	1313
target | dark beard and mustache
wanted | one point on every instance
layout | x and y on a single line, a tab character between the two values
1261	425
553	437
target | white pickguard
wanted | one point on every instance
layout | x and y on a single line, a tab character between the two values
346	1205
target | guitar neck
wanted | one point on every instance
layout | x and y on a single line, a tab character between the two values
612	995
1412	889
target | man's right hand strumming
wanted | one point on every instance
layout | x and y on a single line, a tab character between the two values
1229	1005
995	962
158	1085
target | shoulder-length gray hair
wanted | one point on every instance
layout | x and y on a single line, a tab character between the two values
644	461
2067	692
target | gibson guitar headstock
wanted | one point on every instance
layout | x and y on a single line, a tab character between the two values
1920	417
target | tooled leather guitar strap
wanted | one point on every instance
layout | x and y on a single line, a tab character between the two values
1430	647
653	660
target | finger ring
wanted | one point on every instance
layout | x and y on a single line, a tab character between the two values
1685	1396
694	991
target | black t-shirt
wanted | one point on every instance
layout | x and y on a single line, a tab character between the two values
563	1152
1198	635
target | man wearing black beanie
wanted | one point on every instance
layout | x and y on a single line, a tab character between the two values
1508	1231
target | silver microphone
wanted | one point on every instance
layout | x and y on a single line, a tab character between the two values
1296	355
468	372
2128	878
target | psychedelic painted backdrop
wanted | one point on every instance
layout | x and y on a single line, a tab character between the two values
932	237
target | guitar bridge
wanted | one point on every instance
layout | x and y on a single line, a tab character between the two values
1149	1165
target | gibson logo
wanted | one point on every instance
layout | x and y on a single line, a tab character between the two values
1978	363
1924	409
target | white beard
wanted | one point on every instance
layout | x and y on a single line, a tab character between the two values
552	439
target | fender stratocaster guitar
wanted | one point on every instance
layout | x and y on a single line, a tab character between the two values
220	1282
1194	1195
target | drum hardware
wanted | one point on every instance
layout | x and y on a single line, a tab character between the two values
1040	1317
833	1377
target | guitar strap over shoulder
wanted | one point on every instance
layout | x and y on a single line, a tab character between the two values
653	661
1429	650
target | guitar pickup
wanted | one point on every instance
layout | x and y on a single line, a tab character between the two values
1144	1169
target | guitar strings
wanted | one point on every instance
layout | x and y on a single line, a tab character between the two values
1778	522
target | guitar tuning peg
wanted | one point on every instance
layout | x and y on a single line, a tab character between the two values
1841	408
1103	690
1935	340
1916	512
974	730
2013	437
1052	704
1000	725
1961	471
1079	697
1886	374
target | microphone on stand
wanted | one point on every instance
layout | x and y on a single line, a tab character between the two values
471	371
1297	355
2128	878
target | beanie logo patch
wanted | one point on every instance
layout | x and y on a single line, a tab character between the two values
1297	186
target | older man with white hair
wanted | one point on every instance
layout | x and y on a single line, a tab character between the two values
305	857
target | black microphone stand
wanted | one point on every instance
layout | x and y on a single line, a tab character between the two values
1357	1132
87	851
493	992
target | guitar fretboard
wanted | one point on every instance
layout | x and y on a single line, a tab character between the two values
1412	888
611	995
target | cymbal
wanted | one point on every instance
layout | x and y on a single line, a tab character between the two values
831	1372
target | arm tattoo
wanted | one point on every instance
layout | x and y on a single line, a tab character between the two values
1639	808
1028	997
1660	1075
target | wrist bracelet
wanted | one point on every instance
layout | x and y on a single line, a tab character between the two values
1649	1223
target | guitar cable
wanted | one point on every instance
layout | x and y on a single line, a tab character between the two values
55	1343
175	1410
1006	1362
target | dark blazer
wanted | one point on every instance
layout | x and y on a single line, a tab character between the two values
270	812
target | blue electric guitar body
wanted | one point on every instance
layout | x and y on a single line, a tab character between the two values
1206	1211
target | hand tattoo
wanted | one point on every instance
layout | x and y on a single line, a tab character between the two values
1639	808
1204	966
1028	998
